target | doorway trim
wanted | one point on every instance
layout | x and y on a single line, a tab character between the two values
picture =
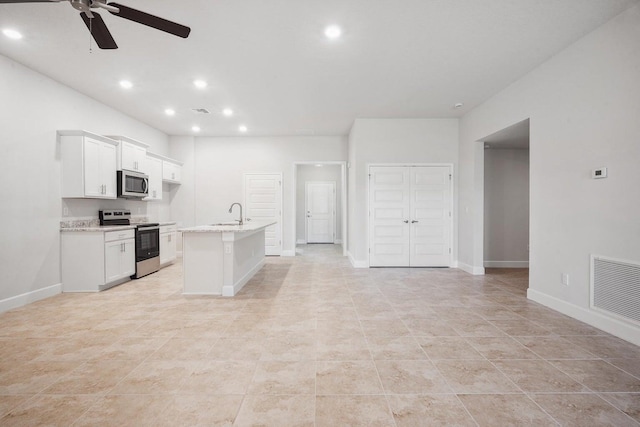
343	200
454	215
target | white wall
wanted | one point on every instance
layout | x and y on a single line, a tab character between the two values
408	141
32	108
506	207
312	173
217	167
584	106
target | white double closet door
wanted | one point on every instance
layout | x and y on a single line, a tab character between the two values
410	216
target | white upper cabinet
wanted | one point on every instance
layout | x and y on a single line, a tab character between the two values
154	170
88	165
132	154
172	171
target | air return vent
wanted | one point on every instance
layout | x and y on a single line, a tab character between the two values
615	287
200	110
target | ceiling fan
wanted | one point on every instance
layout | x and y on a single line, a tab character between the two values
98	28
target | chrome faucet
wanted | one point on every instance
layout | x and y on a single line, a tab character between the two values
240	222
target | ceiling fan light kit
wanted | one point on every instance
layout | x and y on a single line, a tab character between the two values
97	27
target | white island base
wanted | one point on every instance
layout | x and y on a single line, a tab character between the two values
221	259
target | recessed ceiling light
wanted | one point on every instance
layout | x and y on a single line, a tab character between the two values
12	34
170	112
332	32
319	165
195	128
458	105
126	84
242	128
200	84
227	112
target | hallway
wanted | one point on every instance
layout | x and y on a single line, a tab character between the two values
311	341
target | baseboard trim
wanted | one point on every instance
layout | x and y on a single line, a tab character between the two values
29	297
338	241
506	264
476	271
357	264
232	290
620	329
288	253
301	242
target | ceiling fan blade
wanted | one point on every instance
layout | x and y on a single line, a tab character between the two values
151	21
99	31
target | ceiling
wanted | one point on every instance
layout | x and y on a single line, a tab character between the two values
271	63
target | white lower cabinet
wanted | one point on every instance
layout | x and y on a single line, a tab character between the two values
96	260
167	244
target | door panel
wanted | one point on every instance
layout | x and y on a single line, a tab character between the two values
320	202
389	205
263	201
431	210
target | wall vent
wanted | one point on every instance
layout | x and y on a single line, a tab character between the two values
200	110
615	288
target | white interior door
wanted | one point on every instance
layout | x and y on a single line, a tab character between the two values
410	216
389	207
320	211
430	216
263	201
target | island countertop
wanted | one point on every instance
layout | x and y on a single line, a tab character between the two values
248	226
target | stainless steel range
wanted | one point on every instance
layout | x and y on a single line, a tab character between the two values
147	240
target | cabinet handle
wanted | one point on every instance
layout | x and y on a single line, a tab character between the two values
169	237
406	221
414	221
173	175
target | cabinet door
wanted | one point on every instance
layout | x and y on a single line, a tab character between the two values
154	169
112	255
93	183
108	165
128	156
128	258
177	173
172	247
140	159
167	247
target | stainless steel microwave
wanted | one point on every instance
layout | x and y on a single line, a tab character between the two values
132	185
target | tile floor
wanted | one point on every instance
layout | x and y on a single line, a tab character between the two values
312	341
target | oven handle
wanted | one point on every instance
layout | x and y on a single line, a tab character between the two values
146	186
157	227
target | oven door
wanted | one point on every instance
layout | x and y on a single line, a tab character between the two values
147	243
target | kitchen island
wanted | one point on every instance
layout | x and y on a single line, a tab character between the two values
219	259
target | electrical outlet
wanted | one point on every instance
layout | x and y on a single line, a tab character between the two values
65	211
565	279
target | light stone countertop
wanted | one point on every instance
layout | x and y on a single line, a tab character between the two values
94	227
230	227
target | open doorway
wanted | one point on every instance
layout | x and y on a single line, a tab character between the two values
320	203
506	201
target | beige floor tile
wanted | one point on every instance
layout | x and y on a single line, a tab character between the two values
495	348
201	410
629	403
48	410
493	410
384	327
474	376
582	410
126	411
430	328
282	410
347	377
599	375
521	328
184	349
630	366
444	410
9	402
33	377
448	348
538	376
342	348
395	348
278	377
555	348
372	411
607	347
229	348
93	377
476	328
134	348
290	346
411	377
155	377
217	377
